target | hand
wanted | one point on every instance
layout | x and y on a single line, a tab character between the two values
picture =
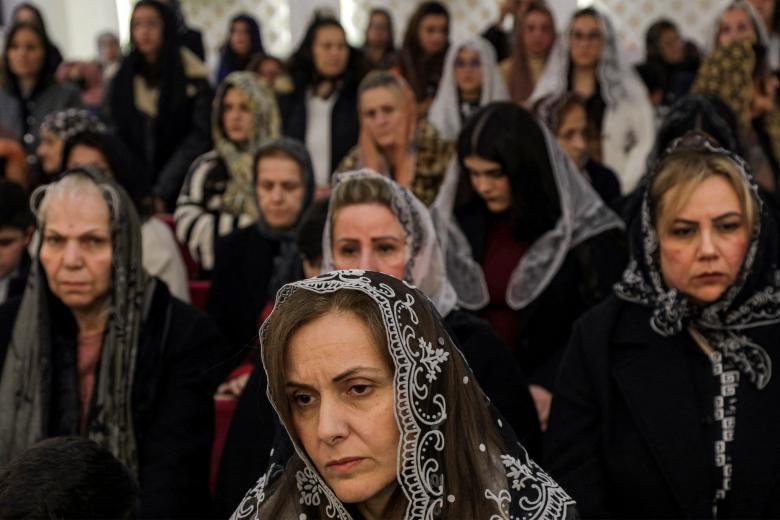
542	399
233	388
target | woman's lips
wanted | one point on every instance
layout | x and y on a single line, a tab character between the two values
709	277
344	465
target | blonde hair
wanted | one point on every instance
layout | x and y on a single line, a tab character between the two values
682	172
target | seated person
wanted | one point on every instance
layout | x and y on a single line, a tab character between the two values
16	229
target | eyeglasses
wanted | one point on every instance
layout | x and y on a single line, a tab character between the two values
592	36
472	64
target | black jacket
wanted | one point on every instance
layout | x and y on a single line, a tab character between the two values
344	123
173	411
254	426
631	425
584	279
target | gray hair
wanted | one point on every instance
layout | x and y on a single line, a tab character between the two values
71	184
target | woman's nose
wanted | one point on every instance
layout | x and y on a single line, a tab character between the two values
332	424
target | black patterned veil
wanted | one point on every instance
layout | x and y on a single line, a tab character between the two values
431	384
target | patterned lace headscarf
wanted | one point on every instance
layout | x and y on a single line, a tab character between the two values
725	325
67	123
431	383
239	197
24	396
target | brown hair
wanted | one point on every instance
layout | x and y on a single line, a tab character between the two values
468	413
682	172
362	190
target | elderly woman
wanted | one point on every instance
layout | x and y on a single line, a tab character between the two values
666	405
29	91
384	414
393	143
252	263
98	348
55	129
471	79
218	195
548	246
586	60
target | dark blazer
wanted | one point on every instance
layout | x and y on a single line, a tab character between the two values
254	425
631	427
173	411
584	279
17	283
344	123
243	265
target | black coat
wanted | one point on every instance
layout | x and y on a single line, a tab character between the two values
254	425
173	411
17	283
243	265
584	279
344	122
631	425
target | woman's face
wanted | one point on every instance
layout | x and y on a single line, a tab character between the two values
369	236
76	250
586	41
49	152
538	34
572	135
240	39
704	245
735	24
340	393
26	54
670	45
433	33
236	116
378	31
146	29
381	115
26	15
330	51
279	190
269	71
468	71
490	182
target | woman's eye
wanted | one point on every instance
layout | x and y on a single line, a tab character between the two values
53	240
729	226
302	400
360	389
386	248
682	232
348	251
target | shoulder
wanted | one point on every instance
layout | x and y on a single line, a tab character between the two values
194	68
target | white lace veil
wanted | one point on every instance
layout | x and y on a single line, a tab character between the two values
425	267
445	109
431	384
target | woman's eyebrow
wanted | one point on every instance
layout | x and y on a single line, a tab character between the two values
353	371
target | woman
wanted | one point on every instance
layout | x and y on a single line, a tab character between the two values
29	91
586	61
321	112
421	58
738	74
273	71
471	80
58	127
218	195
739	21
386	446
678	355
242	44
160	254
98	348
567	120
546	257
85	76
263	256
392	142
25	12
534	36
379	47
159	101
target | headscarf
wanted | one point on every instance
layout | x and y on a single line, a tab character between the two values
67	123
239	197
229	61
445	109
287	261
427	365
521	82
48	67
752	301
425	267
581	214
24	395
610	71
